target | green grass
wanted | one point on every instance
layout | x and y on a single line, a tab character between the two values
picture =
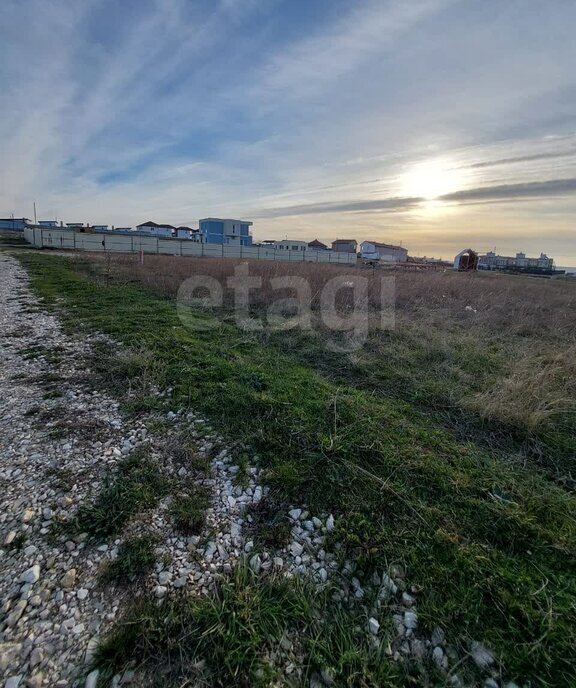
228	639
12	239
135	559
405	487
188	511
136	485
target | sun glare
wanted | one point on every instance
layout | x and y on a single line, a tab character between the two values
430	179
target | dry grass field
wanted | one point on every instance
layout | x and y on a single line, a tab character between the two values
499	347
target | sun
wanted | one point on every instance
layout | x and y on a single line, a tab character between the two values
430	179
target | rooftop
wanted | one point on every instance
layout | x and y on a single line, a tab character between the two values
155	224
227	219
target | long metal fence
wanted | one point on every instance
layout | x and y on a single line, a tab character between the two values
122	243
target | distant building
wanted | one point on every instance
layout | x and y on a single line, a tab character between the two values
155	229
45	224
188	233
101	228
14	223
384	253
290	245
74	225
216	230
345	245
519	262
317	246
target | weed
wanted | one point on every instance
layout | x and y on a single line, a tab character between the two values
136	486
243	476
61	478
53	394
135	559
17	543
270	526
188	511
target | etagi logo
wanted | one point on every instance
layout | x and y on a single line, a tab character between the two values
348	305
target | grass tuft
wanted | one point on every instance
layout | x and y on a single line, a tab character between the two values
237	637
137	485
135	559
188	511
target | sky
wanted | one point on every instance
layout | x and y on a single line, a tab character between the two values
437	124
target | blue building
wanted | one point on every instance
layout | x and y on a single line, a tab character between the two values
215	230
15	224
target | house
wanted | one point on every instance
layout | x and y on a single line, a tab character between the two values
519	263
345	245
317	246
155	229
385	253
188	233
216	230
290	245
14	223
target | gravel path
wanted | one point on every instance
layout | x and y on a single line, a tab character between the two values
52	610
59	437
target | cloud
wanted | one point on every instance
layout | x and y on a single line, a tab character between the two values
551	188
389	204
524	158
305	116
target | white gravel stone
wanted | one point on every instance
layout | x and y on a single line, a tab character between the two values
256	563
92	679
410	620
482	657
373	625
160	591
32	575
13	681
296	549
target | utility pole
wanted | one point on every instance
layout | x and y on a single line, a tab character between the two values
35	221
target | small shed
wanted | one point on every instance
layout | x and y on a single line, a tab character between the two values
466	260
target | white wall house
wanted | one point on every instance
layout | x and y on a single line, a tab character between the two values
156	229
385	253
290	245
